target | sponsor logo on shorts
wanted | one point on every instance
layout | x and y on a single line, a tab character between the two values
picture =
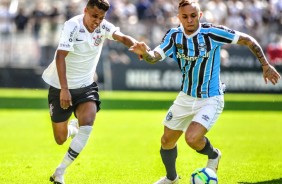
205	117
169	116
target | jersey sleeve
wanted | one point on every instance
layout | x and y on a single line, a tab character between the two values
166	48
68	34
224	35
109	29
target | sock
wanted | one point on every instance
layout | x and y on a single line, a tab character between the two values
72	131
208	150
169	160
76	146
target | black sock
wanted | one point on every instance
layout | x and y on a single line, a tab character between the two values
169	160
208	150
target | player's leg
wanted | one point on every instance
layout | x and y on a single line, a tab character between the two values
86	113
175	123
168	153
60	131
86	103
59	117
206	116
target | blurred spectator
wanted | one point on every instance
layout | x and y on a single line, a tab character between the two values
21	21
48	35
145	19
37	15
6	26
6	19
274	52
144	9
218	11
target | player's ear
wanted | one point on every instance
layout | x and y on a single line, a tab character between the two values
200	14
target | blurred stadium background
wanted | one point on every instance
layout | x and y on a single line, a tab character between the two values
29	32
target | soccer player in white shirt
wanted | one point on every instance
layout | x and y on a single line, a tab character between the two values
70	76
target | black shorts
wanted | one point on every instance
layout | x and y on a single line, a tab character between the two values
86	94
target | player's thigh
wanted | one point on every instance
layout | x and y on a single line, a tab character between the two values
208	111
180	113
60	131
86	113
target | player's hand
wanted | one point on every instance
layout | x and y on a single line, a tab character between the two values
270	74
139	48
65	99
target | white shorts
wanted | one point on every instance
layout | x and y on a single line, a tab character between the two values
186	109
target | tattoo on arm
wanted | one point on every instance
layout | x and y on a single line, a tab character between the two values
257	50
254	47
152	57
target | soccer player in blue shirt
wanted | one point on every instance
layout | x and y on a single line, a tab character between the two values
196	48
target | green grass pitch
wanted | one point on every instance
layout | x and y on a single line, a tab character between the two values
125	142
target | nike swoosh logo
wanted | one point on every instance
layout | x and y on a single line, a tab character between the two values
78	40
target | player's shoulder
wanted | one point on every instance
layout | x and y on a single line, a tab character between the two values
209	27
172	31
74	23
106	26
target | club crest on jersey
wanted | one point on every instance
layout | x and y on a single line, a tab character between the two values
179	46
169	116
97	40
202	47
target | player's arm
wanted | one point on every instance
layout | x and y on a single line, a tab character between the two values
124	39
269	72
65	96
147	54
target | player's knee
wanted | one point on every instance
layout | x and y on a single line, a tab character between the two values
192	141
60	140
167	143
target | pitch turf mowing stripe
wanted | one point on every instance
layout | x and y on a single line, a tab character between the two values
118	104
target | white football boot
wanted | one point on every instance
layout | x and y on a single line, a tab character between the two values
165	180
213	163
57	177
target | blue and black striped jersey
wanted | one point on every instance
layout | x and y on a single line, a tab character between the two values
198	57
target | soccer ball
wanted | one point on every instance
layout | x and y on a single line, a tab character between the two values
203	176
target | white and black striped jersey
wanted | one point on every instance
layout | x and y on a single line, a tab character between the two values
198	57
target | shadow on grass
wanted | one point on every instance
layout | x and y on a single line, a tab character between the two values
276	181
113	104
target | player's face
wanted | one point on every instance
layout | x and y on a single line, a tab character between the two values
93	18
189	17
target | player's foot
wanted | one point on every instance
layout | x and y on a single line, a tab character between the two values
165	180
75	126
58	177
213	163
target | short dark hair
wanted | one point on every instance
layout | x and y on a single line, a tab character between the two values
101	4
185	2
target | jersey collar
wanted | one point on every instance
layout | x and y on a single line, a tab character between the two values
192	35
